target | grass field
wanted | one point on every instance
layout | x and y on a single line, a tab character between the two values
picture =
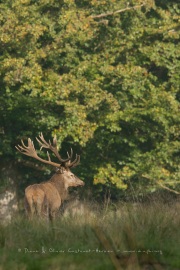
121	236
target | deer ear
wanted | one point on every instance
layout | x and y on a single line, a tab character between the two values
60	170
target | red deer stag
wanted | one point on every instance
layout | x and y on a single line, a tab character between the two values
45	199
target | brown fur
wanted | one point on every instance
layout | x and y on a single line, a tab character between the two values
45	199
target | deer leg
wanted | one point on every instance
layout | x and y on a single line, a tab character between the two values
45	209
29	207
32	210
26	206
52	215
39	207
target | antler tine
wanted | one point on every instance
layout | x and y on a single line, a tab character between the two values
31	151
42	141
48	156
24	144
75	162
55	141
27	150
53	147
71	155
19	148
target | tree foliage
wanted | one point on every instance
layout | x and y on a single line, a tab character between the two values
101	75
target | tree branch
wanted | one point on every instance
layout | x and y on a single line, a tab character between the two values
115	12
171	190
107	246
161	185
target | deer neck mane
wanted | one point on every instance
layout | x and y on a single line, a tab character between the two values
58	181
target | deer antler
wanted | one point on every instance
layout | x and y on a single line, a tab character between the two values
53	147
75	162
31	151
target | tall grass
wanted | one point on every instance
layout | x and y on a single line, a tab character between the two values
144	235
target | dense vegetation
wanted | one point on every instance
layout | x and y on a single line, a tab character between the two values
101	75
133	237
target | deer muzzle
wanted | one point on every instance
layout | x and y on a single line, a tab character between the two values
81	183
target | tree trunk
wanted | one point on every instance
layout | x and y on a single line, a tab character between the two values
8	193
